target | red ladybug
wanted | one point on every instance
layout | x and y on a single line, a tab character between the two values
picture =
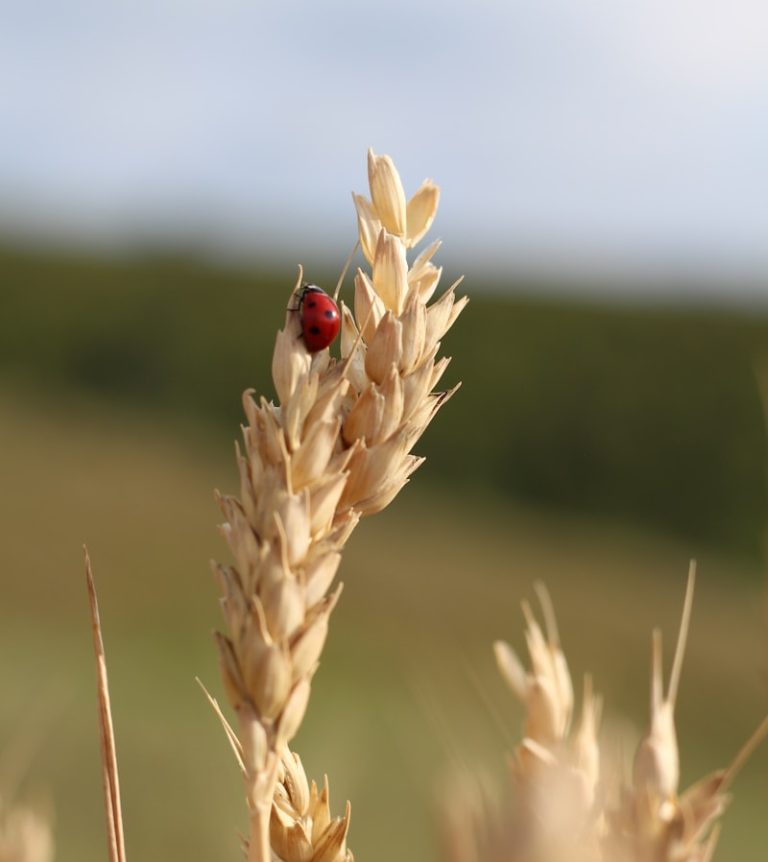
319	316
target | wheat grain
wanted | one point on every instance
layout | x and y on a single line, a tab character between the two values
335	447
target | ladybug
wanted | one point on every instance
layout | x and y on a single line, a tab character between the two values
319	317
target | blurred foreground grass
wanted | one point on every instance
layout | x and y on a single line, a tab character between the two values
429	584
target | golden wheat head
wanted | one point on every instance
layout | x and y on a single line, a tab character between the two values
335	446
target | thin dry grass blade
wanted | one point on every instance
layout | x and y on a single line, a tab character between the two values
344	271
234	742
745	752
682	637
111	783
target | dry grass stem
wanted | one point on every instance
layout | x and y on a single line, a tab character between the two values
335	446
111	783
562	806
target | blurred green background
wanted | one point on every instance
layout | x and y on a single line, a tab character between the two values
594	446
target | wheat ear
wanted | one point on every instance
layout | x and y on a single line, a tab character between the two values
556	768
562	811
336	446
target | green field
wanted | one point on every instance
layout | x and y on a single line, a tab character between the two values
396	703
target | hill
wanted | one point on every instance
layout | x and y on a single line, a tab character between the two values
641	414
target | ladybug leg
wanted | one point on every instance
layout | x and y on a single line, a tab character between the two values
300	293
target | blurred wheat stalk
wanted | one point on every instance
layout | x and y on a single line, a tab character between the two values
564	804
26	827
335	447
25	835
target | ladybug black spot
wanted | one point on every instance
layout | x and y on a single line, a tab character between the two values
315	330
329	314
311	303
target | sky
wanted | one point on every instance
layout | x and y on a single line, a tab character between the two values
566	135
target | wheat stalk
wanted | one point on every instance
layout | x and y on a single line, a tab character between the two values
561	808
336	446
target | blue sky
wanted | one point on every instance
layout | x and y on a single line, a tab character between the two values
566	134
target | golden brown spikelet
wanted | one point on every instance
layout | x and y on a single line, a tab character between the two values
334	447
